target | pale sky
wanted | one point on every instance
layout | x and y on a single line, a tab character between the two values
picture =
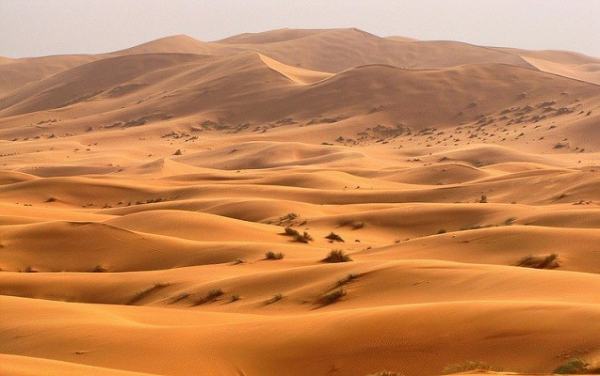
47	27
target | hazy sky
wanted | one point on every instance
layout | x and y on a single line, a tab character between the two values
43	27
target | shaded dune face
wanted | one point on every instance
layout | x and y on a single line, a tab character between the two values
293	202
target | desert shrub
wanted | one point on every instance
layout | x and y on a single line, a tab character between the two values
99	269
291	232
347	279
469	365
337	255
441	231
358	225
234	298
238	261
273	255
275	298
385	373
304	238
178	152
211	296
540	262
51	199
334	237
332	297
147	292
483	199
298	237
180	297
576	366
289	217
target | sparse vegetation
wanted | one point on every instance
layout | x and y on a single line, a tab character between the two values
333	237
337	255
289	217
179	298
291	232
540	262
275	298
210	297
234	298
304	238
469	365
147	292
483	199
347	279
385	373
332	297
99	269
274	255
358	225
577	366
298	237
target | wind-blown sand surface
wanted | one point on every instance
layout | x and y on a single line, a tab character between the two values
141	190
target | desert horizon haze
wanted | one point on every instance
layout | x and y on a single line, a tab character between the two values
299	201
48	27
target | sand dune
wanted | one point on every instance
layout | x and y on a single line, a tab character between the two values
172	208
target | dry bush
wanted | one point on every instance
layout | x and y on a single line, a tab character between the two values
211	296
332	297
273	255
347	279
577	366
99	269
469	365
275	298
337	255
540	262
333	237
147	292
298	237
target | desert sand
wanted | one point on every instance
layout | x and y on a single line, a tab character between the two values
169	209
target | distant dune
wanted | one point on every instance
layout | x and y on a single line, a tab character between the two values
300	202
